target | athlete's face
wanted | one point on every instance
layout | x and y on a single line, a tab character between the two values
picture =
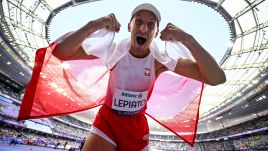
143	28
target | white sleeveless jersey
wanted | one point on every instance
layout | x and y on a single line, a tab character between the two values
129	83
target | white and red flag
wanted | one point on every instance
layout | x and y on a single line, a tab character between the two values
62	87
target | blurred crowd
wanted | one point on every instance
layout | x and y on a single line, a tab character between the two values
258	142
254	124
15	135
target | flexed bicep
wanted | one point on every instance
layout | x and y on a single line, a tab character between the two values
69	47
189	68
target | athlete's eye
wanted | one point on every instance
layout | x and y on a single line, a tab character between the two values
150	25
138	22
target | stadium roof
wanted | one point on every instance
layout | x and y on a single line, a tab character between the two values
25	27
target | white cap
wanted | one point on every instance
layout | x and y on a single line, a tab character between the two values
148	7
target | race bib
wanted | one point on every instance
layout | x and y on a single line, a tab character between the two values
128	102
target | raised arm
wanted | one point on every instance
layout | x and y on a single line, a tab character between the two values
69	47
205	69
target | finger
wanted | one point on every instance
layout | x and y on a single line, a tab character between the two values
117	27
112	14
166	37
163	31
115	24
111	18
170	25
163	37
110	23
107	22
166	29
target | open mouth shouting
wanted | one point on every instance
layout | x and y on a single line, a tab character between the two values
141	40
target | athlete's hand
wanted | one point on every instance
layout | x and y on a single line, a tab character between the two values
109	22
173	33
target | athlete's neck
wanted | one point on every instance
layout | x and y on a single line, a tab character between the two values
139	53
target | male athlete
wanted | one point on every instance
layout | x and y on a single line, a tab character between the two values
121	123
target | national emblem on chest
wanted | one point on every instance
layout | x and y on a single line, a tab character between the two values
147	71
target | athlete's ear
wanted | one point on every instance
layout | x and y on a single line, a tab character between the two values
128	27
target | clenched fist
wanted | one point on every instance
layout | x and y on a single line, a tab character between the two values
109	22
173	33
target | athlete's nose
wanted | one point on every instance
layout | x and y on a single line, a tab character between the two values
144	28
